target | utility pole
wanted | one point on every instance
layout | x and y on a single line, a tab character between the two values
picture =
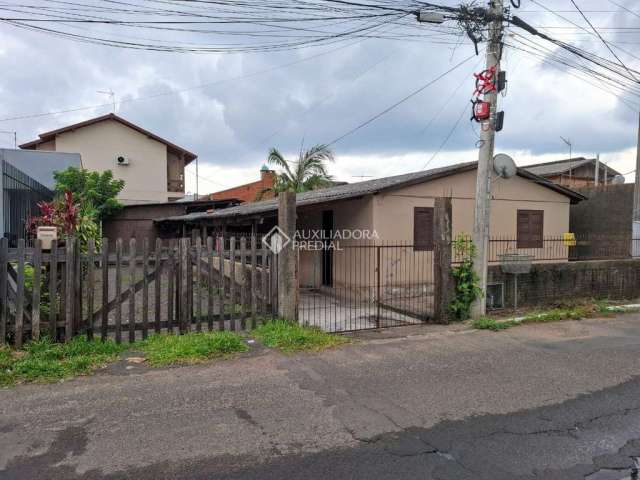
482	219
597	172
635	249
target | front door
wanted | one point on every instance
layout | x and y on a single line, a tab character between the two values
327	254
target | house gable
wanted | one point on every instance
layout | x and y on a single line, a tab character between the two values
99	145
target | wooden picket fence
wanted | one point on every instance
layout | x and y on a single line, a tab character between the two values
131	290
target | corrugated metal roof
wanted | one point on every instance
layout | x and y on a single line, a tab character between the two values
354	190
563	166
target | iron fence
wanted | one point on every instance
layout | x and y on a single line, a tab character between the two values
558	248
366	286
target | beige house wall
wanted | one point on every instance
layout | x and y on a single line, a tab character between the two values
99	144
350	215
49	146
390	215
393	211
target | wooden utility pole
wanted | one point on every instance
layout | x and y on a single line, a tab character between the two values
288	295
635	248
442	238
481	227
597	172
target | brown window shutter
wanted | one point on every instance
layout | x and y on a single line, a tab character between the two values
530	229
423	228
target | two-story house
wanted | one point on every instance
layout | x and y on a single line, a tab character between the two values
152	167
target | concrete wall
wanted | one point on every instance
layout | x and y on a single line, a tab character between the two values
550	284
99	144
607	210
604	221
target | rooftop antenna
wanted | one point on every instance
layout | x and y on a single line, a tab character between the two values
570	145
111	95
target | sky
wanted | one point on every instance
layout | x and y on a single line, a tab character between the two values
231	108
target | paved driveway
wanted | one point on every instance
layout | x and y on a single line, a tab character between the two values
334	313
556	401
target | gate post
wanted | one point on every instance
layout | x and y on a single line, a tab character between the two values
443	279
287	259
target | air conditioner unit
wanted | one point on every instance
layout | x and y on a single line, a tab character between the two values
122	160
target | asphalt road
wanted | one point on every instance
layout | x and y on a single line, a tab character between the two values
556	401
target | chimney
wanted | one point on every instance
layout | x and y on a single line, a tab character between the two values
267	175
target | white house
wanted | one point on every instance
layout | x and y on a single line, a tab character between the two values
152	167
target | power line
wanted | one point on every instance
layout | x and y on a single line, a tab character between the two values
601	62
549	56
606	44
447	138
279	21
399	102
555	13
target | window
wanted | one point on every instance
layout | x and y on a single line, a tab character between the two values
530	228
423	228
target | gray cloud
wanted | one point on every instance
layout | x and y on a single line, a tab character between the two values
234	123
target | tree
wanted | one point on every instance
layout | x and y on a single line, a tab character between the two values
70	219
99	190
309	172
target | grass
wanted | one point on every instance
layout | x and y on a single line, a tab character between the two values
163	350
45	361
487	323
292	337
553	315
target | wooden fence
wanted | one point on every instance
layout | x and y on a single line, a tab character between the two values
127	290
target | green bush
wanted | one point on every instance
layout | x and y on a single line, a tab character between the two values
467	288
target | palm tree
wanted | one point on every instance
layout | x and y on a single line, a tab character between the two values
309	172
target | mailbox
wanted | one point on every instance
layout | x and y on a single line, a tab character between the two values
47	235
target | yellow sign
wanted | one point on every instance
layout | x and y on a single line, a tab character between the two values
569	239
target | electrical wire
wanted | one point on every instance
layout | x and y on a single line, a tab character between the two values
274	26
399	102
606	44
447	138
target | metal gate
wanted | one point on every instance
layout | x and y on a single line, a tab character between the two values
358	287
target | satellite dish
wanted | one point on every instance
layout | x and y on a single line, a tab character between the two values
504	166
618	180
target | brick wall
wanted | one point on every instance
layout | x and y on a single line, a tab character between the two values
249	191
547	284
